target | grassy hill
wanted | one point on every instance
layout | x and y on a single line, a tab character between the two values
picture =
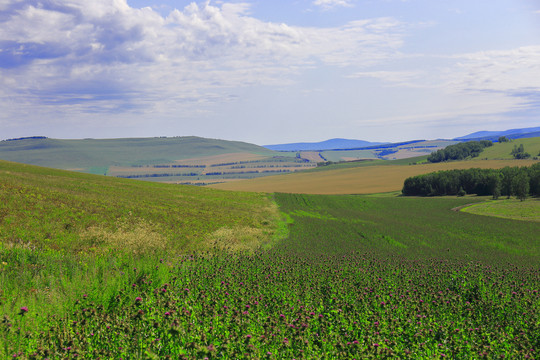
503	150
96	155
73	212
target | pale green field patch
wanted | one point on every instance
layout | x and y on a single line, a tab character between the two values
528	210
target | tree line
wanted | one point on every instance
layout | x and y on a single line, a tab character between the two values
459	151
509	181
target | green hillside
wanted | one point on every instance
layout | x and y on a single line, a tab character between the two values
503	150
96	155
69	211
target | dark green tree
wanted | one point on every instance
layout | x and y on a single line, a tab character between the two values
520	185
494	184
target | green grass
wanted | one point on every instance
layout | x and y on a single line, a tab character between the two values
528	210
503	150
341	277
61	232
62	210
426	227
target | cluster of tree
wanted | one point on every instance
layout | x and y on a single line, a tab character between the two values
519	152
459	151
503	139
508	181
388	152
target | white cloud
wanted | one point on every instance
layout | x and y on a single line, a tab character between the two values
504	71
396	78
104	56
330	4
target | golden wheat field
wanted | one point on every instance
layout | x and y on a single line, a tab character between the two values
360	180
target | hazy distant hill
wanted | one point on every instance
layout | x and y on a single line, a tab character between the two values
323	145
494	135
102	153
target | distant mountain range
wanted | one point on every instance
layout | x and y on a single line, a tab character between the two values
341	144
332	144
494	135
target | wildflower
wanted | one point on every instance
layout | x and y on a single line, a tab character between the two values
23	310
167	313
138	299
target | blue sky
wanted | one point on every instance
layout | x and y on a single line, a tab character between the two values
268	71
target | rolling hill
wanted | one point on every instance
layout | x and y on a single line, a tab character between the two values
73	211
503	150
323	145
494	135
101	153
186	160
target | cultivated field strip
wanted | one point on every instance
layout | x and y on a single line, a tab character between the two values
358	180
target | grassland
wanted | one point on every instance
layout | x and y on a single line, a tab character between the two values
358	178
503	150
99	154
528	210
93	267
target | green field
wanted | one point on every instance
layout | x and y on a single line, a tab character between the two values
503	150
528	210
95	267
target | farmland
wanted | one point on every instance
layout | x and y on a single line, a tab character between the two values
359	178
184	160
94	267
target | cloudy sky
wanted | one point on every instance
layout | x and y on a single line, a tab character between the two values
268	71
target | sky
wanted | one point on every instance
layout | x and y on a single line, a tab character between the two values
268	71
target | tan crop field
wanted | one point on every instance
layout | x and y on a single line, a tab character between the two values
221	158
314	156
357	180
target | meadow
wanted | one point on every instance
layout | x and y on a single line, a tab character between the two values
503	150
528	210
214	274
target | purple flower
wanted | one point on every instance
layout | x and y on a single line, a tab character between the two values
138	299
23	310
167	313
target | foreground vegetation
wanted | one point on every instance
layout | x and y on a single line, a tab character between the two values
357	276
